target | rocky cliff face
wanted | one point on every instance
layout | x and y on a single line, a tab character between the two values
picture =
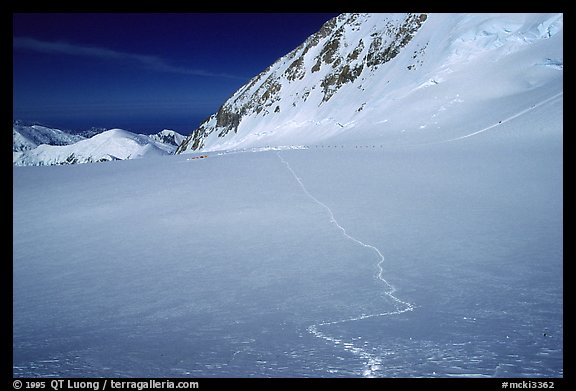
344	49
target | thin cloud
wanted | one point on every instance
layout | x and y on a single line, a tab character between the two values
149	62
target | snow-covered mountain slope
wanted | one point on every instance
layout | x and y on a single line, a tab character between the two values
394	78
168	137
27	137
113	144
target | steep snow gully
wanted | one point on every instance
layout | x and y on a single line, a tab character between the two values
372	362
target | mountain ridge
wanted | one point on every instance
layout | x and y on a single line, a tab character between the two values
27	137
57	147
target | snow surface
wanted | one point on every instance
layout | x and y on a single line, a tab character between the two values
432	260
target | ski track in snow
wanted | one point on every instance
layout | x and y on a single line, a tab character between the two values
372	361
520	113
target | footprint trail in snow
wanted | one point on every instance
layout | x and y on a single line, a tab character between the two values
514	116
372	362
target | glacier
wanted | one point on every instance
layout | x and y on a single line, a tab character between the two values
412	227
219	267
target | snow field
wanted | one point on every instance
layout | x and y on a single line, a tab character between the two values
222	266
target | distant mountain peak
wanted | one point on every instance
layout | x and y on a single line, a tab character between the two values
169	137
29	135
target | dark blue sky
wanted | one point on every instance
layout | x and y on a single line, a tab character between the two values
143	72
